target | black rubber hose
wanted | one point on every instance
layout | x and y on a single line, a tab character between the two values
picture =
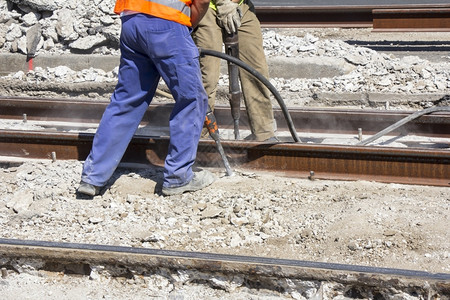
261	78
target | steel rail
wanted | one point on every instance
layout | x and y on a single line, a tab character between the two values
409	166
92	254
334	121
414	166
385	17
402	46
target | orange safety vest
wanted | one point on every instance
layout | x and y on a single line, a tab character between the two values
174	10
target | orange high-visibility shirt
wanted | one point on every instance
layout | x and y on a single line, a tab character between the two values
174	10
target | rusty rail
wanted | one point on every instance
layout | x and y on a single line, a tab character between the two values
422	283
339	121
394	17
409	166
419	19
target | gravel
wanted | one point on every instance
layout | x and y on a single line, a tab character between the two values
47	27
362	71
271	215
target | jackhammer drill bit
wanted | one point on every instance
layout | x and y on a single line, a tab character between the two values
213	129
232	49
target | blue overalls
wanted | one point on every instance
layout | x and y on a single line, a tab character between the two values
151	48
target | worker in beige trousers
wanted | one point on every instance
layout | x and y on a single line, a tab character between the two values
230	16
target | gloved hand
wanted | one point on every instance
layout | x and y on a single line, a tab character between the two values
228	15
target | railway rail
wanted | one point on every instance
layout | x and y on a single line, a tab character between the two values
416	165
381	15
138	261
310	158
433	51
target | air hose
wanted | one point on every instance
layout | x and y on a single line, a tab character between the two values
263	80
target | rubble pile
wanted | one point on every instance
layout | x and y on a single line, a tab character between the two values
64	74
267	215
35	27
360	223
369	71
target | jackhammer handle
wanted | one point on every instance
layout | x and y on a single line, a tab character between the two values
211	124
232	49
213	129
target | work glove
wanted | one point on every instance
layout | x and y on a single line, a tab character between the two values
228	15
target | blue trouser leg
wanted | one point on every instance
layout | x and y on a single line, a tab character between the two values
150	48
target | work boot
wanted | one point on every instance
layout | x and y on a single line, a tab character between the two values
200	180
88	189
272	139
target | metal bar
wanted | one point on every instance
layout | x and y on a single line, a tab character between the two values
355	16
333	120
438	18
313	17
403	122
229	264
409	166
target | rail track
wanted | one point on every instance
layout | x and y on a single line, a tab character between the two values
413	46
417	163
62	257
432	51
381	15
65	123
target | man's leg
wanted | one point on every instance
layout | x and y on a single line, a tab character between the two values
177	59
256	94
137	82
208	35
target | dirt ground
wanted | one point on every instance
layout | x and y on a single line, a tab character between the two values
360	222
257	214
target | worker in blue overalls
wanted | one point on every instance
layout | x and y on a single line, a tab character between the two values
155	42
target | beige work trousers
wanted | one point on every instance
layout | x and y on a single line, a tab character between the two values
208	35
